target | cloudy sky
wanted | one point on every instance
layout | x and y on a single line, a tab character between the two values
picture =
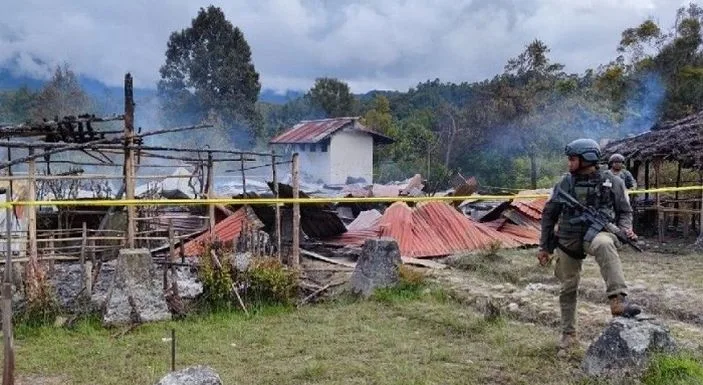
371	44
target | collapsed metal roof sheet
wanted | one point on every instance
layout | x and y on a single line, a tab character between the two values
314	131
226	231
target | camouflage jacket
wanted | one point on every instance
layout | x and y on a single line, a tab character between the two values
627	177
601	190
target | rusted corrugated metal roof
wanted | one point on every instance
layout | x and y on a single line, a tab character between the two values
432	229
532	208
313	131
226	231
526	235
436	229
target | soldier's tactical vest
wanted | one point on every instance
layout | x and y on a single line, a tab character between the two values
594	190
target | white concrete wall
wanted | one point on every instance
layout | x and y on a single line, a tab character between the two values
351	154
314	166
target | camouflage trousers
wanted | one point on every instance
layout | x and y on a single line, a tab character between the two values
604	248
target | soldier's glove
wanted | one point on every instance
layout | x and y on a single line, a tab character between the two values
543	257
630	234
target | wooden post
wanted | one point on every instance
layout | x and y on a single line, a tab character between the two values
172	256
676	199
129	157
8	373
278	207
699	240
295	256
646	179
32	210
244	178
210	191
660	222
92	252
84	244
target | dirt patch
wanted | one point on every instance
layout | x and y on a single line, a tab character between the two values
669	287
40	380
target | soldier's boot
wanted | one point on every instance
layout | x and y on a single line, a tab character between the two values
568	343
620	307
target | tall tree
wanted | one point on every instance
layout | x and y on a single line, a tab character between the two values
61	96
333	96
208	70
530	82
16	105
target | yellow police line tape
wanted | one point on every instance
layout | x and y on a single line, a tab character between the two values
273	201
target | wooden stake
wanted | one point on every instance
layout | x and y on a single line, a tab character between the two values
244	180
646	179
172	256
295	257
129	157
210	191
676	198
32	210
699	240
660	221
278	208
8	372
84	245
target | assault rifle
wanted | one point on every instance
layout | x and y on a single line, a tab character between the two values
599	221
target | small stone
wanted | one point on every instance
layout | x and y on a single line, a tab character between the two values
60	321
196	375
513	307
624	347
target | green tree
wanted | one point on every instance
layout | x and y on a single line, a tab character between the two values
61	96
380	118
208	70
527	93
16	105
333	97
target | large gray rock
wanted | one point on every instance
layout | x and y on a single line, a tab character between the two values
68	283
135	295
101	287
196	375
377	267
625	345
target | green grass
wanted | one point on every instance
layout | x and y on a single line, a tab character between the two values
413	334
408	335
680	369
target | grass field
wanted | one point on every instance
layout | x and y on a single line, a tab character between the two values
399	337
411	335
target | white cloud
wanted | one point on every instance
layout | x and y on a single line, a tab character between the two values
392	44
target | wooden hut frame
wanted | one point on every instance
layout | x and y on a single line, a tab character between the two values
680	142
73	134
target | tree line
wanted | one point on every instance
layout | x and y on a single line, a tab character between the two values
507	131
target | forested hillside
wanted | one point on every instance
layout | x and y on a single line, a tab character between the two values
507	131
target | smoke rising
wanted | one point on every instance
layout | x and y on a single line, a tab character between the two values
643	109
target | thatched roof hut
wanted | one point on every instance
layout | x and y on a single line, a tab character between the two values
677	141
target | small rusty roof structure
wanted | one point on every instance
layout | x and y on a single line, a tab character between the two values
314	131
680	140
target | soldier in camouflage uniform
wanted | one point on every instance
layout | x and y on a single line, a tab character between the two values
605	192
615	165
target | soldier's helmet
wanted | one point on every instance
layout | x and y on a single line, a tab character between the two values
616	158
587	149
